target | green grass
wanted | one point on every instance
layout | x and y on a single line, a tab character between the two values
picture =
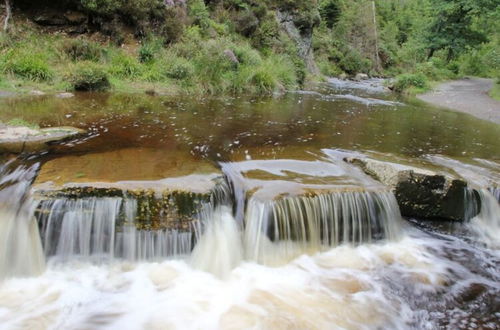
495	91
198	64
19	122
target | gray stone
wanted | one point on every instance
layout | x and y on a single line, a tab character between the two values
361	76
303	39
231	56
36	93
65	95
423	193
24	139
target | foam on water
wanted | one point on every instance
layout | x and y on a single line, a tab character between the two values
21	251
487	223
371	286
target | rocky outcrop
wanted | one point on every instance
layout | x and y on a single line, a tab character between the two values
301	34
423	193
21	139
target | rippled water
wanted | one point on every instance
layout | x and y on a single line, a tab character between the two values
261	259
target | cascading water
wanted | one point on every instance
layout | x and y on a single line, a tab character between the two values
21	251
105	228
495	191
289	226
486	224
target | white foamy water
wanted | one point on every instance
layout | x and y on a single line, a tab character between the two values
20	244
345	287
486	224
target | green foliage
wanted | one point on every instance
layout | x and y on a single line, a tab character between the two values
19	122
149	50
180	69
352	62
81	50
124	66
405	81
28	65
88	76
330	11
199	13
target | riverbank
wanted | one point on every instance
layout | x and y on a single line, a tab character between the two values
466	95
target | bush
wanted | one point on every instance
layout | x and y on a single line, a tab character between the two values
28	65
82	50
180	69
405	81
149	50
124	66
352	62
88	76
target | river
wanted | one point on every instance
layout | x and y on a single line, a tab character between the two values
290	237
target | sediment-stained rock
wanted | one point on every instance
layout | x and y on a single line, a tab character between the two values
18	139
423	193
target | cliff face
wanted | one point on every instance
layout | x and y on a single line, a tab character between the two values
301	37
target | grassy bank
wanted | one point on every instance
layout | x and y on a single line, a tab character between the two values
201	47
196	65
495	90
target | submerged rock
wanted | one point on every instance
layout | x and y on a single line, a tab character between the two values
423	193
24	139
65	95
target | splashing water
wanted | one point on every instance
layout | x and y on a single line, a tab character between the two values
487	223
21	251
101	229
285	228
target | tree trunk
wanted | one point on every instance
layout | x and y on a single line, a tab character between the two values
377	58
8	14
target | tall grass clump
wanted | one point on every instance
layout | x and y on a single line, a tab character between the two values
408	80
82	50
122	65
88	76
28	65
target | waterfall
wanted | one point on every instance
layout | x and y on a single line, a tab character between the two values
495	191
289	226
21	251
487	223
99	229
219	248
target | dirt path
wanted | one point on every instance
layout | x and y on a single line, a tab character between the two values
466	95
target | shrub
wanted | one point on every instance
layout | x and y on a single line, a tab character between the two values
88	76
198	11
149	50
405	81
82	50
180	69
247	55
352	62
124	66
28	65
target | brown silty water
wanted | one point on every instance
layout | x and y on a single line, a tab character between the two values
277	231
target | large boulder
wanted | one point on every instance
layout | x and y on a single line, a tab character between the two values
19	139
423	193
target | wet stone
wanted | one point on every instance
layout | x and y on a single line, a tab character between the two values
17	139
424	193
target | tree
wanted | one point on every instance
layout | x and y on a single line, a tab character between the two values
8	14
452	29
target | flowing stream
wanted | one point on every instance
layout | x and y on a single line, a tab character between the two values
265	226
